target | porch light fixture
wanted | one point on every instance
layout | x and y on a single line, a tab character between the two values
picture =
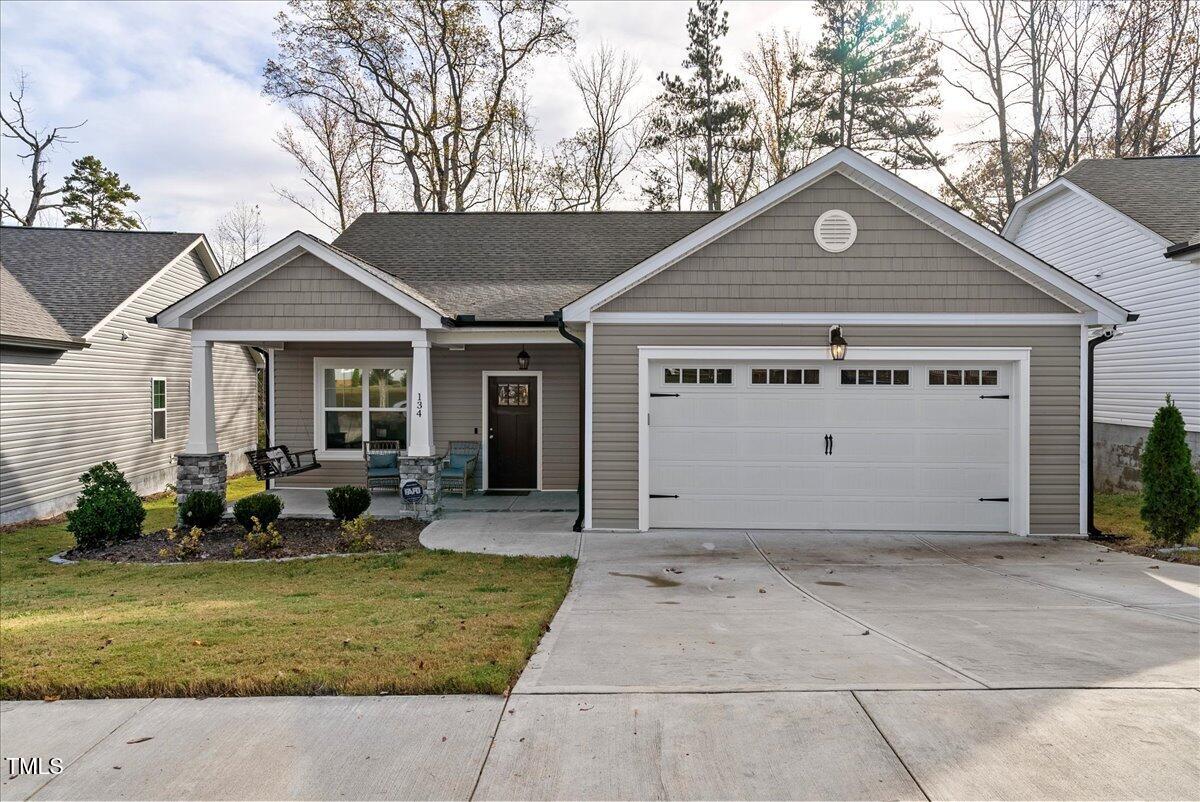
523	359
837	344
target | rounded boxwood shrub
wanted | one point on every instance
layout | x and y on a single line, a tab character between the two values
1170	486
203	508
263	506
347	502
107	510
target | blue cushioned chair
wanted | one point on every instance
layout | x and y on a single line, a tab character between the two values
458	467
383	470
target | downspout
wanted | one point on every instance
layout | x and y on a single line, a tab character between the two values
562	329
266	355
1104	337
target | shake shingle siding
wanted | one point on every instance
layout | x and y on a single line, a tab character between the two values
63	412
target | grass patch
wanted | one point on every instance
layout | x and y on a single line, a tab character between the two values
410	622
1118	515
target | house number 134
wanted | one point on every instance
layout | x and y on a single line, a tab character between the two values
420	404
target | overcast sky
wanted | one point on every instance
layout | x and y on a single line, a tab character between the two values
171	91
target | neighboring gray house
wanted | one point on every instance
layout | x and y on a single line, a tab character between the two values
842	351
85	378
1130	228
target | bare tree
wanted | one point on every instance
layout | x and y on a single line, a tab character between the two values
239	234
38	141
517	165
668	179
429	76
775	67
327	149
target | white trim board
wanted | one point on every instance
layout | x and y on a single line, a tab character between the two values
848	162
835	318
1019	409
1020	212
309	335
588	362
483	429
180	314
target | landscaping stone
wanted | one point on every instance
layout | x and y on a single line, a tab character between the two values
424	471
196	472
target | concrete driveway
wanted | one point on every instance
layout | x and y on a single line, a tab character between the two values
730	665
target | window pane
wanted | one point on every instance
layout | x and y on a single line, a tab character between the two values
724	375
707	376
689	375
758	376
343	387
866	377
512	395
991	377
849	377
343	429
970	377
777	375
883	377
671	375
954	377
158	394
390	425
937	377
812	376
899	377
795	377
160	425
388	388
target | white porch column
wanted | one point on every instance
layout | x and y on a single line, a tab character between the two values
202	416
420	408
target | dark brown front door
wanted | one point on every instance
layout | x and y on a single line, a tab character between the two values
512	432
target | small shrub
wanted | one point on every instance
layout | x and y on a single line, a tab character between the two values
259	540
1170	486
347	502
203	508
356	534
108	510
185	545
262	506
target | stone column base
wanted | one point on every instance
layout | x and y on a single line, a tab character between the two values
197	472
424	471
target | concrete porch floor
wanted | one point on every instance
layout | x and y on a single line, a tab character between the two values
311	503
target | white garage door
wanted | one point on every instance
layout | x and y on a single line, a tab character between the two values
918	446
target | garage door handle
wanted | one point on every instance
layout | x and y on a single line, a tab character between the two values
661	495
994	499
828	444
664	395
993	396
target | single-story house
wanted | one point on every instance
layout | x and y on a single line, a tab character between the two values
1130	228
85	378
842	351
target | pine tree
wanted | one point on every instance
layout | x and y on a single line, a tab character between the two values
94	197
704	106
1170	486
874	80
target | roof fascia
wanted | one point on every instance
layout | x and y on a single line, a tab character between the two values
1062	184
43	344
179	315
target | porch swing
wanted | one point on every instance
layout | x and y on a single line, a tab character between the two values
277	462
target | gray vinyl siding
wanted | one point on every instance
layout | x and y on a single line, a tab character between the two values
456	403
307	293
1054	402
61	413
772	263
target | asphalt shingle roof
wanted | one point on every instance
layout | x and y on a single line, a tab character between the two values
1163	194
80	275
511	265
22	316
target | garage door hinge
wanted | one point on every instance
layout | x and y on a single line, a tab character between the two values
993	396
664	395
661	495
994	499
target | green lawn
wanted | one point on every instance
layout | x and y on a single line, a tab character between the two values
1118	514
412	622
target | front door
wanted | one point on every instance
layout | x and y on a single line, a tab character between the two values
512	433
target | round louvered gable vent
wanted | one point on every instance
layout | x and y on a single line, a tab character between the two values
835	230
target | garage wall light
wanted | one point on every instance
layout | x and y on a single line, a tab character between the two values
523	359
837	343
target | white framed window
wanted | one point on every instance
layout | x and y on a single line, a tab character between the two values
875	377
698	375
356	400
785	376
964	377
158	409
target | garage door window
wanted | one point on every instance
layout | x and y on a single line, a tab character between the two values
875	377
711	375
963	377
785	376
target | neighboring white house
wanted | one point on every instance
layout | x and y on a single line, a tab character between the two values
1130	229
85	378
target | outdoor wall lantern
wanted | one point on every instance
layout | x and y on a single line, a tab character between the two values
837	343
523	359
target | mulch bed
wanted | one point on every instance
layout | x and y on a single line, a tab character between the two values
302	537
